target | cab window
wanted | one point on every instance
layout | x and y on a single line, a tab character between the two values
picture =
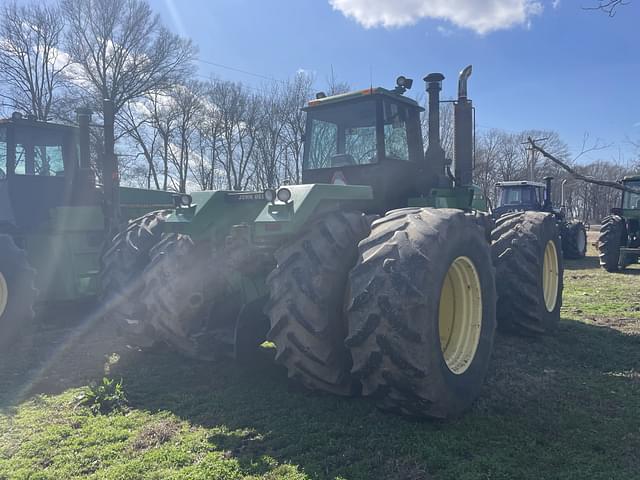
632	200
396	145
341	135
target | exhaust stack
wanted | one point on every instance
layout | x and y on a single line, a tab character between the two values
434	156
463	141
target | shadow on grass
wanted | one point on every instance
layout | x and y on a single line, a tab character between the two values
586	263
556	407
592	262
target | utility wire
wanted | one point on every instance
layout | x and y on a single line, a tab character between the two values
239	70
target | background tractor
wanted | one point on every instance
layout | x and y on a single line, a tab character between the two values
619	240
523	195
375	276
52	224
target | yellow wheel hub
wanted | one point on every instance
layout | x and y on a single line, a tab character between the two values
460	315
4	294
550	276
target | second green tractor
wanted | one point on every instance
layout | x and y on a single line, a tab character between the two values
380	275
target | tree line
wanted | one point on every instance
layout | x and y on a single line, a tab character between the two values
175	132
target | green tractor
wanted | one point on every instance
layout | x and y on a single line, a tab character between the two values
376	276
619	240
52	225
523	195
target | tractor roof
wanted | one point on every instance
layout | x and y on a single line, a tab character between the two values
343	97
35	123
519	183
631	178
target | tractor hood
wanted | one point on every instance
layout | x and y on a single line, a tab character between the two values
212	214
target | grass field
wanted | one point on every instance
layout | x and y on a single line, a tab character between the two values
561	407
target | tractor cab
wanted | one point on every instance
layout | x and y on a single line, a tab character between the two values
520	195
39	170
370	137
35	149
631	201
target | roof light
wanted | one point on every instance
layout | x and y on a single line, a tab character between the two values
404	82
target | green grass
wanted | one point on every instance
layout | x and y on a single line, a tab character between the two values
563	407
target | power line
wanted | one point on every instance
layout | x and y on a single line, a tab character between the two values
239	70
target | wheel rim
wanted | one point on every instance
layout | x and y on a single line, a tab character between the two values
581	241
460	315
4	294
550	276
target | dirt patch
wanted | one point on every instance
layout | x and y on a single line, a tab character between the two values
629	326
155	434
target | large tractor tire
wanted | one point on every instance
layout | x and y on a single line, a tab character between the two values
529	272
17	293
612	235
121	276
187	300
574	241
306	307
421	311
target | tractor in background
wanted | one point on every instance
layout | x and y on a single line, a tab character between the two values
523	195
619	240
376	276
52	223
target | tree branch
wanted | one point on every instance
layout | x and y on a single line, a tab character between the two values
579	176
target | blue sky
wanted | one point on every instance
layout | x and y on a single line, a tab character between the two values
537	64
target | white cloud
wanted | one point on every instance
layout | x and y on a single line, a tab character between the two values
481	16
555	3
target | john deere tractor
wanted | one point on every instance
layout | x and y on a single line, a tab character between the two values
52	224
523	195
619	240
375	276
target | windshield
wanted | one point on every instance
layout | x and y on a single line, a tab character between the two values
341	135
525	195
632	200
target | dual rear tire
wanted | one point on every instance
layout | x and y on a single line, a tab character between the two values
418	305
527	254
421	311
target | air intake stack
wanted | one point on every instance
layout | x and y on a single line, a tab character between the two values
435	156
463	132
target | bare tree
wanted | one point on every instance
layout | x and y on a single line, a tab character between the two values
336	86
122	52
610	7
297	93
136	121
31	64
